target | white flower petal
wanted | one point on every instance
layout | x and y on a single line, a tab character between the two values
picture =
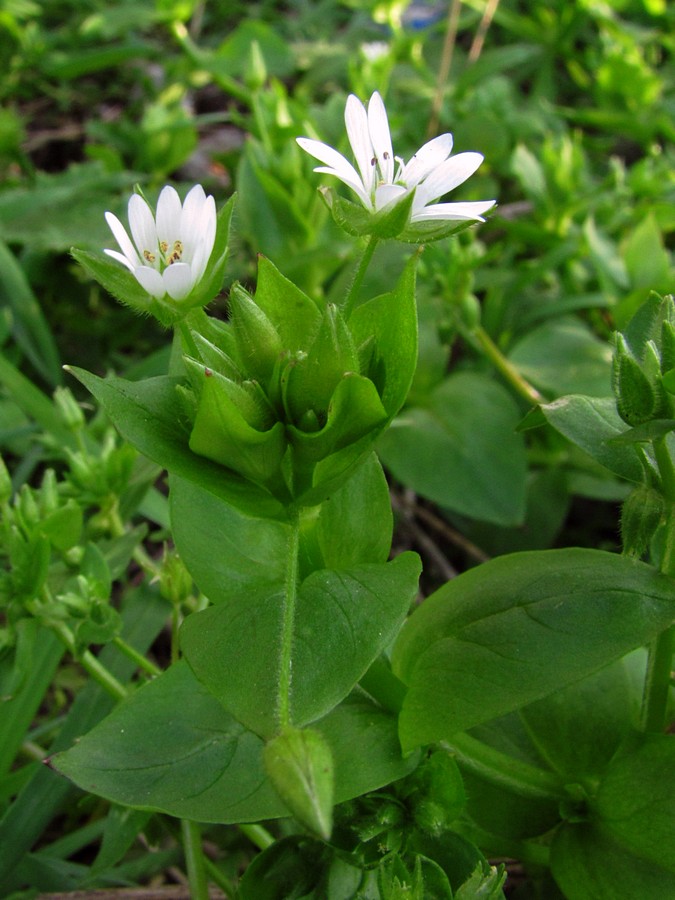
472	209
178	280
387	193
168	216
122	238
356	122
123	259
191	220
432	154
207	237
337	165
446	177
150	280
380	136
142	225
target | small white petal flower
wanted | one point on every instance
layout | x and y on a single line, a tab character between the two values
431	172
170	251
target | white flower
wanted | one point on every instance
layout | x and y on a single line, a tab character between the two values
382	178
172	249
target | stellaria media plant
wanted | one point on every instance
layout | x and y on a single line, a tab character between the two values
312	685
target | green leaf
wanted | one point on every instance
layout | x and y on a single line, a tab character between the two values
149	415
389	322
343	620
646	258
519	628
591	423
578	729
30	329
228	550
354	525
626	849
172	747
34	403
636	800
294	314
588	864
462	451
564	357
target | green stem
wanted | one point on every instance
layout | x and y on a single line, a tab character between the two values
257	835
290	599
188	340
504	771
226	884
666	470
175	625
507	369
194	860
89	662
350	300
141	661
657	682
660	652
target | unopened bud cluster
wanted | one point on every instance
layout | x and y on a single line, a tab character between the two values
640	363
291	395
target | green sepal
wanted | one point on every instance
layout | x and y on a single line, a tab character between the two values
312	380
215	357
435	230
391	319
223	433
295	316
667	346
635	395
121	284
299	764
641	515
389	222
257	342
355	410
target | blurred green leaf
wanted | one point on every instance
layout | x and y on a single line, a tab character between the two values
462	451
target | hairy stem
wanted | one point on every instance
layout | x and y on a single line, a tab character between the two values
350	300
504	771
660	652
290	599
506	368
89	662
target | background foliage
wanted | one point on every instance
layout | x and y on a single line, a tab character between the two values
573	107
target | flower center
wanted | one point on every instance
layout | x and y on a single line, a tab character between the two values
175	254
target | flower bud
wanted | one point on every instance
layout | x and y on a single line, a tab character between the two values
257	342
175	582
641	515
255	74
299	764
230	428
68	408
313	379
636	398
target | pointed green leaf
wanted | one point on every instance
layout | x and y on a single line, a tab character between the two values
343	620
295	316
172	747
518	628
591	423
149	415
389	322
462	451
